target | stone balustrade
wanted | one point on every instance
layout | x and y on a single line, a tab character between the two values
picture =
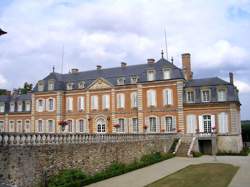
7	139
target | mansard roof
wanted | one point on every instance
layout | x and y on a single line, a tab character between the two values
112	74
206	82
23	97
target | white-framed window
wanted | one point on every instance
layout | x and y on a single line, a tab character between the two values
11	126
134	79
134	100
120	100
27	106
70	125
94	102
2	107
101	126
151	98
51	84
51	126
69	104
221	93
105	101
50	104
223	122
40	105
205	95
12	106
81	125
121	123
191	124
151	75
166	73
40	86
27	126
70	85
1	126
121	81
81	85
169	123
152	124
167	96
190	96
81	103
135	125
19	106
19	126
40	126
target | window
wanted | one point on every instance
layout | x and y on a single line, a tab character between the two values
223	122
207	123
12	107
50	126
1	126
81	125
40	126
105	101
169	124
69	103
121	81
135	125
134	100
27	125
121	123
134	79
205	95
81	103
19	127
40	105
166	73
191	124
51	104
221	95
101	127
190	96
151	98
167	97
94	102
27	106
51	85
2	107
20	106
152	124
120	100
11	126
81	84
69	85
40	86
70	126
151	75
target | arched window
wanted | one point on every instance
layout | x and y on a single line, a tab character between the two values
101	125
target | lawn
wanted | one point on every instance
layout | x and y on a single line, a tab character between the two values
205	175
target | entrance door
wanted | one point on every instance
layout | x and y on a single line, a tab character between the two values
101	126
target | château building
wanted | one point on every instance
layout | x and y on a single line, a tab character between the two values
155	97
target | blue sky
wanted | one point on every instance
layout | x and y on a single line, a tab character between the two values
216	33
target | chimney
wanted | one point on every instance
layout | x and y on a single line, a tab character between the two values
231	77
74	70
98	67
151	61
186	66
123	64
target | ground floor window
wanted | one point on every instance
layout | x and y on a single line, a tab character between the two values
1	126
169	123
135	125
70	126
121	123
40	125
152	124
101	126
27	126
50	125
81	125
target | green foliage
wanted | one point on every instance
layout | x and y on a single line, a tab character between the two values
196	154
25	89
245	131
67	178
3	92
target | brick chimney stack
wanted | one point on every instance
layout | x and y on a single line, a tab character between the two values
151	61
186	66
98	67
231	77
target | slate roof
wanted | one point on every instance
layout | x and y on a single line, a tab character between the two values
206	82
112	74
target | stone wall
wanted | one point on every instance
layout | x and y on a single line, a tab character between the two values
231	143
26	165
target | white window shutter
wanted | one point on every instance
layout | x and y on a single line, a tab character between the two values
174	122
37	105
154	97
170	97
147	124
107	101
201	127
163	123
148	98
158	124
126	123
122	100
212	121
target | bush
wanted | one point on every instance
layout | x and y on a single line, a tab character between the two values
196	154
76	178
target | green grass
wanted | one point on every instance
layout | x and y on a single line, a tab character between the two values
202	175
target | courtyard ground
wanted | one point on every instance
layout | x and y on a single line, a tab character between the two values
150	174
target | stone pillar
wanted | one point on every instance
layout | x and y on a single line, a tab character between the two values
59	103
235	119
180	106
6	123
33	109
87	112
140	108
113	108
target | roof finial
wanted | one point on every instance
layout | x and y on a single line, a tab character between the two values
162	54
172	59
53	69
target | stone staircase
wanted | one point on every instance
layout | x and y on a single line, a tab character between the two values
185	146
183	149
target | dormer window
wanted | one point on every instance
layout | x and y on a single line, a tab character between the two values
81	84
221	93
12	107
69	85
40	86
20	106
27	106
51	85
121	81
2	107
166	73
205	95
151	75
190	96
134	79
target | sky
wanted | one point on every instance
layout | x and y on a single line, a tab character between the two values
107	32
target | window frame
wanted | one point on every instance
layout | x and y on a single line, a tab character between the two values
121	81
151	98
51	85
94	102
164	70
153	75
209	95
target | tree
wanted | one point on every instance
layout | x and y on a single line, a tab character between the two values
26	88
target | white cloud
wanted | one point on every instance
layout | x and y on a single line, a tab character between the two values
3	81
242	86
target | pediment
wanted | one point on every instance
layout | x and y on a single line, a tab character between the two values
100	83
